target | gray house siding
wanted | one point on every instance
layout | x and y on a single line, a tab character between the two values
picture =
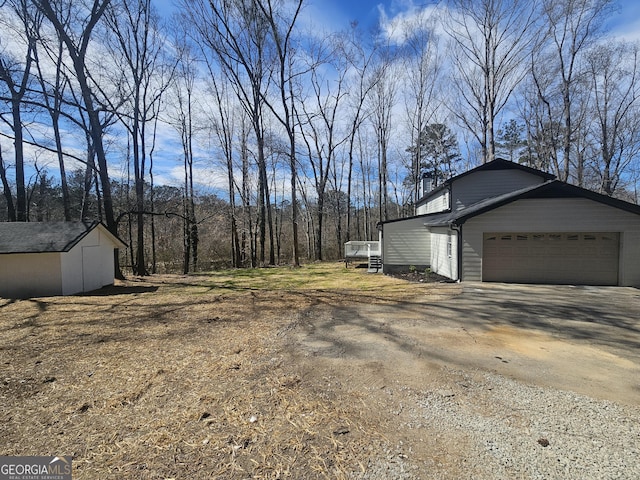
473	188
554	215
405	243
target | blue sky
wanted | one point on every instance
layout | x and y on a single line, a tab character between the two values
626	21
337	13
332	15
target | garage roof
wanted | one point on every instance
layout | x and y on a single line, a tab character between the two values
549	189
46	237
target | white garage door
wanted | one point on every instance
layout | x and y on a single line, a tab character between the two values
556	258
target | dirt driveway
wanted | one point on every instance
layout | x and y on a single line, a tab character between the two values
471	385
583	339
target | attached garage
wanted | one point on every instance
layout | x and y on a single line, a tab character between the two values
551	257
555	234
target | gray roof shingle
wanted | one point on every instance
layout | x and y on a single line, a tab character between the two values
549	189
42	237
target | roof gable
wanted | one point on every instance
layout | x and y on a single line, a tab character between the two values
46	237
497	164
549	189
502	164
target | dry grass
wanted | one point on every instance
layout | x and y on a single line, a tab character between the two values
185	377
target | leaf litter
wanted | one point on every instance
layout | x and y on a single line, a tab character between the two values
186	377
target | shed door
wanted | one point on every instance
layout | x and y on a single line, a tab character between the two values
91	269
556	258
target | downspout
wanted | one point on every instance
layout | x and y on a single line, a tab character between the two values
458	229
380	228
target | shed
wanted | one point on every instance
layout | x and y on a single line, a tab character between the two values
55	258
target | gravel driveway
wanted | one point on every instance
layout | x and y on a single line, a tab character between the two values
491	381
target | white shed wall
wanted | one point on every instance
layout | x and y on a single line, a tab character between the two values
477	186
405	243
444	252
89	265
30	275
71	271
555	215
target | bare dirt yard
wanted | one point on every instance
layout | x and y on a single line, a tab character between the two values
324	372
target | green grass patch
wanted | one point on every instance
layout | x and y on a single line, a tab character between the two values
316	276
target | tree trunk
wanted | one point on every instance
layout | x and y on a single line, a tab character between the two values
11	211
21	191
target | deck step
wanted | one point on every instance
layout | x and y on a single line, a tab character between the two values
375	264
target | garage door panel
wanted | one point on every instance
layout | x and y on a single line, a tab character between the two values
574	258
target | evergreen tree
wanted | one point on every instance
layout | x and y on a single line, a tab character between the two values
439	152
510	141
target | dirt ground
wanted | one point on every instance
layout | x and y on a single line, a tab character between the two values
288	373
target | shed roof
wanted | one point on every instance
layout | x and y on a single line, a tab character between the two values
46	237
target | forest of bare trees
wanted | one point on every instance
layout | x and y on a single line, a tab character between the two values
240	133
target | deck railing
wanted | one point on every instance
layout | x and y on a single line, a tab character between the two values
361	249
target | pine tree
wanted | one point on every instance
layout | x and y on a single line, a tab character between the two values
510	140
439	152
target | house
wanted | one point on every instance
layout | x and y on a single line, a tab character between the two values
505	222
57	258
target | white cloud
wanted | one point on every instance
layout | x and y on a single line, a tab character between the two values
402	18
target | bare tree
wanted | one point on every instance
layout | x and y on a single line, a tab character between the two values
23	22
360	85
77	36
53	93
557	69
248	232
137	50
237	33
183	121
613	70
382	100
368	175
6	190
321	124
281	29
223	126
491	40
423	69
